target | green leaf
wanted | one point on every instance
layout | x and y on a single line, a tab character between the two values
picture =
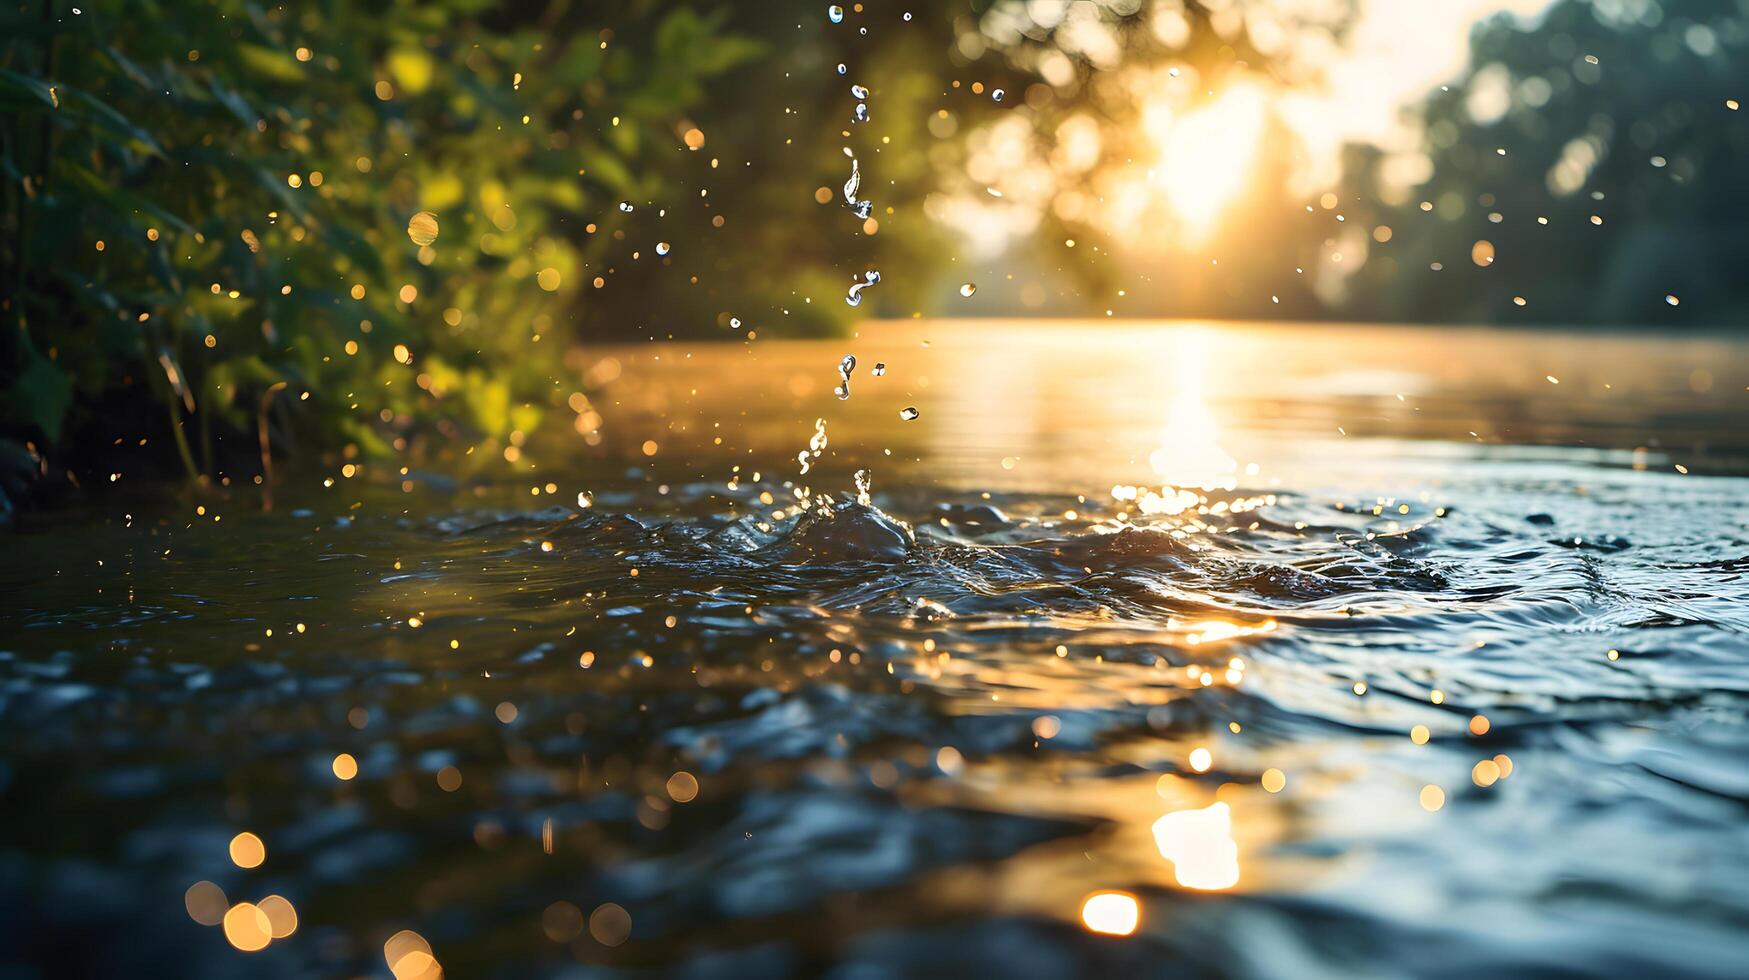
41	395
269	63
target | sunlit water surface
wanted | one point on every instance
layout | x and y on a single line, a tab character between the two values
1429	661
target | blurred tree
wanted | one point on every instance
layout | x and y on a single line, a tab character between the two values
206	207
206	203
1146	136
1596	151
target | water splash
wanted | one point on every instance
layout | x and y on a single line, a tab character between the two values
852	183
816	446
862	208
845	367
854	296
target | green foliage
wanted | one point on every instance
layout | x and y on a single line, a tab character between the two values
203	200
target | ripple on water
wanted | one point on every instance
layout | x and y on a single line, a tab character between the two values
914	734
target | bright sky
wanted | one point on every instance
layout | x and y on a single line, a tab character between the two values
1398	51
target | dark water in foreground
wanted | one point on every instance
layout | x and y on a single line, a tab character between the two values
1429	685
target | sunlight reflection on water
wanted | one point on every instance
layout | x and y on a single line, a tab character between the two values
1429	691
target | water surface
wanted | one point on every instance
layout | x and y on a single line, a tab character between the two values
1341	650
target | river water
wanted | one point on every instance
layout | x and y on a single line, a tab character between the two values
1302	651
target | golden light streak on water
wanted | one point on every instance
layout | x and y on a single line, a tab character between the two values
1111	913
1190	455
247	927
247	850
410	957
1200	845
206	903
282	918
345	766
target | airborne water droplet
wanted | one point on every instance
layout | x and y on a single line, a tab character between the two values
967	289
854	296
841	68
625	205
662	248
863	209
996	95
861	114
734	323
835	13
422	228
859	91
909	413
854	182
880	369
844	368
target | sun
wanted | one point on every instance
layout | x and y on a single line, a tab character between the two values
1205	157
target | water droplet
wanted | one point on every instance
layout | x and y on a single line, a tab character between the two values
909	413
734	323
835	14
662	248
851	184
854	296
907	15
844	368
422	228
863	480
841	68
861	114
625	205
880	369
862	30
859	91
863	209
967	289
996	95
